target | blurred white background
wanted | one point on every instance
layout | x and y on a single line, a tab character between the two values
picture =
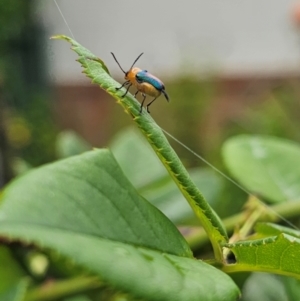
227	38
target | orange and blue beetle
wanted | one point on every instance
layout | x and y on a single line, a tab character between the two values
145	82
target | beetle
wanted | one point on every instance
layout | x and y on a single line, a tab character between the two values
145	82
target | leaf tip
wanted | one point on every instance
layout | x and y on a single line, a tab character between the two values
60	37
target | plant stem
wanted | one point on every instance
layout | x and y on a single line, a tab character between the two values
197	236
60	289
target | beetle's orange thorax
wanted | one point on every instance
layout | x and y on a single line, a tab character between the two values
130	75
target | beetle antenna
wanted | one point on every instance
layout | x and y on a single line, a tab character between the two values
136	60
118	63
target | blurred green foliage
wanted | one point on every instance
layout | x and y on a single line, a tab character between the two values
24	96
13	17
200	114
203	114
137	161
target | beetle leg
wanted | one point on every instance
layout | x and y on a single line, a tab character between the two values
148	105
126	91
123	85
136	93
141	109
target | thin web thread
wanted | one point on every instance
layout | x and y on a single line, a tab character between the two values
229	179
200	157
63	17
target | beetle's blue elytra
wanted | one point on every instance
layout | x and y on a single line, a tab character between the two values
145	82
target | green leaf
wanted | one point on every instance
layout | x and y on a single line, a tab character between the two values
89	194
69	143
270	229
85	209
148	175
269	287
265	165
10	271
137	159
95	69
166	197
16	292
292	287
275	254
265	287
143	273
